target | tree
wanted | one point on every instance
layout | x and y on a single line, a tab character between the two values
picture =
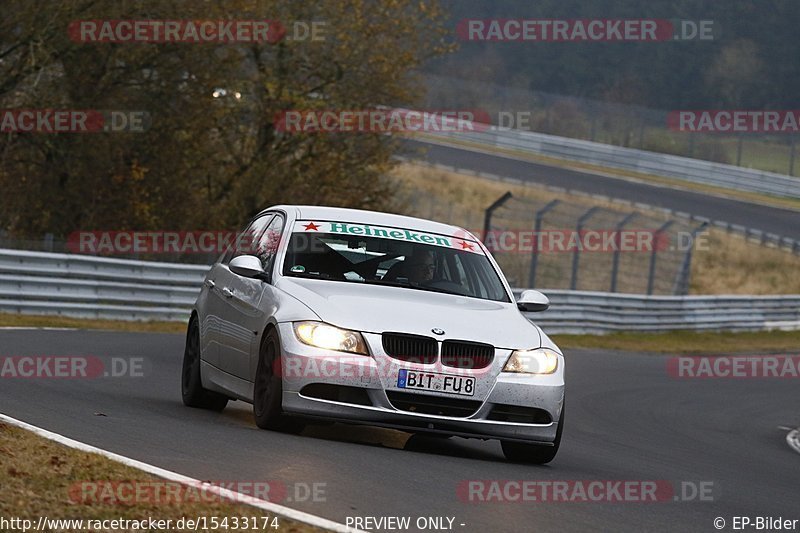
204	162
735	71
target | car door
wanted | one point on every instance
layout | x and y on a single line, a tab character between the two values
210	313
268	253
236	301
245	309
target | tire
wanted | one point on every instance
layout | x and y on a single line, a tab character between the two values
536	454
268	389
192	391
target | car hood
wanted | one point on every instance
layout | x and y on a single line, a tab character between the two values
377	308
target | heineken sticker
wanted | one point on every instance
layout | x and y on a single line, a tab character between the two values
397	234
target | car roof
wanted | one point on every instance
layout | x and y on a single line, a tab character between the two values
360	216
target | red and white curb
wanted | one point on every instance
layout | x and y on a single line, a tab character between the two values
234	496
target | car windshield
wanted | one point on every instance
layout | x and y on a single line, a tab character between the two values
359	253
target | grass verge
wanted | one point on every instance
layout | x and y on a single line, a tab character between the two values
730	264
45	321
40	478
687	342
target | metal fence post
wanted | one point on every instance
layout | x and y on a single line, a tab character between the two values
537	229
681	286
653	253
618	242
487	217
739	144
576	256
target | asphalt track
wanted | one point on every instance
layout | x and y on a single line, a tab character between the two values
783	222
627	420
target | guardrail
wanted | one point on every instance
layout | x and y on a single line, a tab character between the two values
582	312
89	287
684	168
92	287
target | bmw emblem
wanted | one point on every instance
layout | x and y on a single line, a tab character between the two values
438	331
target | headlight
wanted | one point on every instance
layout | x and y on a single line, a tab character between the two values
330	337
539	361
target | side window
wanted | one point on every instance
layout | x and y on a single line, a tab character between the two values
268	241
245	242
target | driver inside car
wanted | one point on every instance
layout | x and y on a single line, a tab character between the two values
420	267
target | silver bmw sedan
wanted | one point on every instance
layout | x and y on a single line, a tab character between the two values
373	318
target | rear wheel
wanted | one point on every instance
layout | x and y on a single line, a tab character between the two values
268	389
520	452
192	391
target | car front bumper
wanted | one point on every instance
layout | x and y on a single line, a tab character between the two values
376	375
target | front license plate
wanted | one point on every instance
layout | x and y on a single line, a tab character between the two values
414	379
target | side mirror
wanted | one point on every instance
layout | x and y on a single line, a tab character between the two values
532	301
248	266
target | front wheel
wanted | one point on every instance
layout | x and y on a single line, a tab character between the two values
268	389
192	391
520	452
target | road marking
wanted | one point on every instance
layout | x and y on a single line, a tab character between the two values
33	328
793	439
236	497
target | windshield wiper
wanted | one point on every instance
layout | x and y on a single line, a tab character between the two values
309	275
435	289
389	283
